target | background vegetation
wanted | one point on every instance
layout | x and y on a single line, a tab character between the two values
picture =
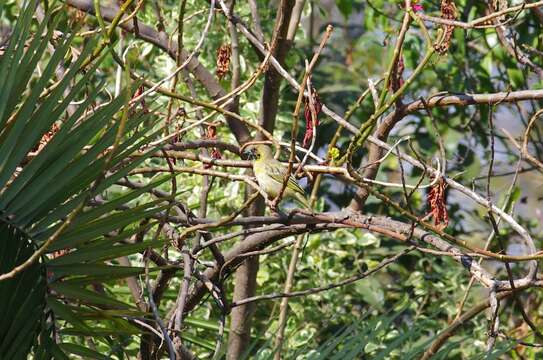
129	219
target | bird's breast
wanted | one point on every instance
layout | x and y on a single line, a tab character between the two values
265	181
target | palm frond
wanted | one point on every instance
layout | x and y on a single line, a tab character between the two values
43	181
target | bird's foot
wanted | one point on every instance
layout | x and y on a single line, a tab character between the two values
274	204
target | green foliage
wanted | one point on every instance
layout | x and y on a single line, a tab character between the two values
42	185
76	293
22	301
391	335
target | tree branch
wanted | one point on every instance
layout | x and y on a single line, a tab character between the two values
147	33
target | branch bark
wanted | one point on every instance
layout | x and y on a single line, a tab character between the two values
385	226
245	278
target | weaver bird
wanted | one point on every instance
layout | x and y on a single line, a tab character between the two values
270	174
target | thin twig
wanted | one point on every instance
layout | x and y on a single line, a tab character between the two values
348	281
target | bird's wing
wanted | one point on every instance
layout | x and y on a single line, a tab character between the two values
278	173
293	184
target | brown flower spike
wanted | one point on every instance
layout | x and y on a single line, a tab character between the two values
396	80
309	119
438	208
137	93
46	138
223	60
211	134
448	11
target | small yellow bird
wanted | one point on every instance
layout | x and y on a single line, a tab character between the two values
270	174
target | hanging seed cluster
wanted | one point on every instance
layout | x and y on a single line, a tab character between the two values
223	60
47	137
309	126
448	12
396	80
211	134
436	201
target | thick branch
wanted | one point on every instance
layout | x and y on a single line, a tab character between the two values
383	225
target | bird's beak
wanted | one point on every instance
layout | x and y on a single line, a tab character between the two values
249	154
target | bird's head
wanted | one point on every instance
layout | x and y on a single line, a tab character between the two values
259	151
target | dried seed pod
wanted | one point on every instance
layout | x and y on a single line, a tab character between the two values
223	60
448	11
396	80
436	201
211	134
47	137
309	118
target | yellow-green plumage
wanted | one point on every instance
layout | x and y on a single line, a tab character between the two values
270	174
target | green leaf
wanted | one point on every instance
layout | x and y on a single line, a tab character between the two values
55	153
516	77
14	146
206	344
94	270
11	57
371	291
86	296
368	239
84	232
65	312
114	204
98	314
76	174
22	299
106	250
203	324
345	7
82	351
100	332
